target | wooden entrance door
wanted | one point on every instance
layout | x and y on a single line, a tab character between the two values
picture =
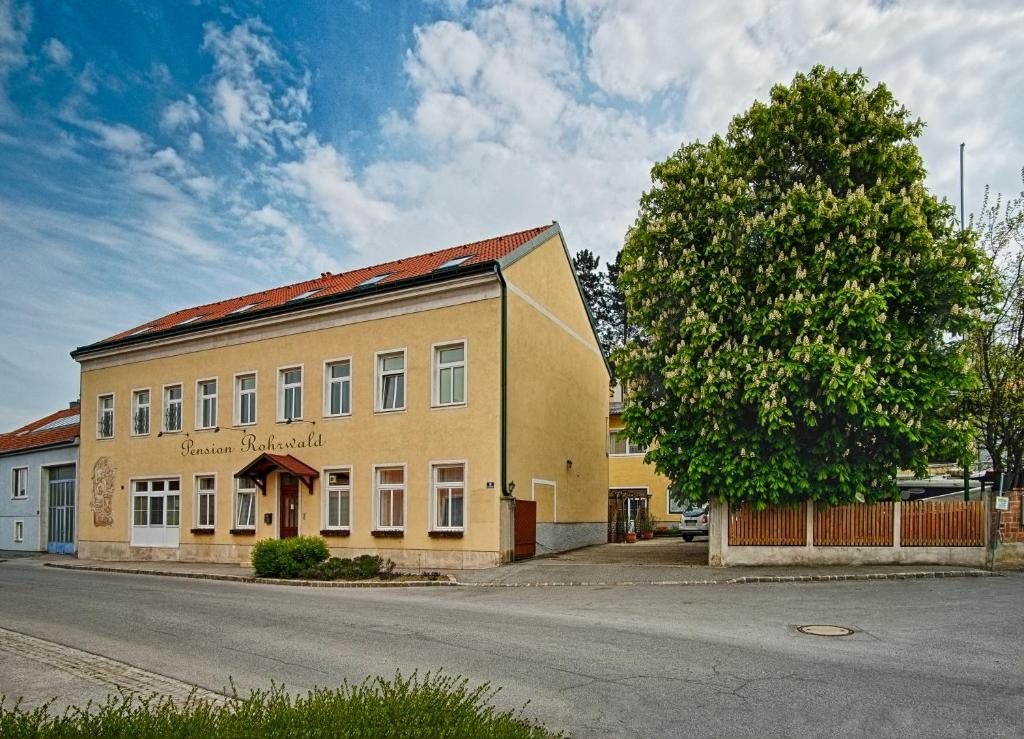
526	528
288	505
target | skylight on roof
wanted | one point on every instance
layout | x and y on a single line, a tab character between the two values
306	294
142	330
243	309
193	319
456	261
56	424
375	279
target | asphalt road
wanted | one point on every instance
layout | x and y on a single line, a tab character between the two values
929	658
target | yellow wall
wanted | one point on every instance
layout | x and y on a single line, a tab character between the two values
557	392
630	471
415	437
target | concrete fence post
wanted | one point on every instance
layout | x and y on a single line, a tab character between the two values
809	544
897	524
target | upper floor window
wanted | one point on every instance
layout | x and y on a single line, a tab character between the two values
449	496
245	399
389	498
105	416
206	405
339	499
339	388
391	381
172	408
19	482
619	443
290	394
450	374
140	412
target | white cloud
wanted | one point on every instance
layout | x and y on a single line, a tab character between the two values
58	54
296	244
195	142
257	96
15	22
117	137
180	114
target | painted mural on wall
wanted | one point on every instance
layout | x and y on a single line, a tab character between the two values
102	492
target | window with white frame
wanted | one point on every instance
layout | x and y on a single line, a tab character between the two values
339	499
206	404
172	408
19	482
206	501
290	394
619	443
390	497
449	496
450	374
19	531
105	416
157	504
140	412
391	381
245	399
245	503
338	376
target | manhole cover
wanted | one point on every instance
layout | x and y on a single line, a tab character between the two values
824	630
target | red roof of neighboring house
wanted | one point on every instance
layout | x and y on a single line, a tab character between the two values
329	284
61	427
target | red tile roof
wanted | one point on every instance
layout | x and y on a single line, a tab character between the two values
61	427
336	284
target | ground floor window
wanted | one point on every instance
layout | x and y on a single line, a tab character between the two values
206	501
19	532
339	499
156	512
390	497
448	493
245	503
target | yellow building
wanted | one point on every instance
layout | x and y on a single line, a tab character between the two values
398	409
634	487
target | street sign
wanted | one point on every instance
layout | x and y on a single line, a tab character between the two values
1002	503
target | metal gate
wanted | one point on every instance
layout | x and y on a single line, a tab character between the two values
526	528
61	521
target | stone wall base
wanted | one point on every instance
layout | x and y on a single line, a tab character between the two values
780	556
410	559
560	537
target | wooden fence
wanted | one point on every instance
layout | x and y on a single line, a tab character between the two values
771	527
947	523
856	525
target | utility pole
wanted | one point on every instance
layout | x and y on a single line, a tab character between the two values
967	469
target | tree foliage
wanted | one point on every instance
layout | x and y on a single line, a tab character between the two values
796	288
604	298
998	343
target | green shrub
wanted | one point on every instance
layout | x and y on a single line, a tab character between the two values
288	557
434	706
363	567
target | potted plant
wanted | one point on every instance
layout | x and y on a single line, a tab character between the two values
631	533
647	526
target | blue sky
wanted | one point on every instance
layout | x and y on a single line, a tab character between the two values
162	155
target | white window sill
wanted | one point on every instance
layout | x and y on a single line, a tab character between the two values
240	425
19	497
631	454
139	436
207	428
385	411
332	416
440	406
170	431
287	422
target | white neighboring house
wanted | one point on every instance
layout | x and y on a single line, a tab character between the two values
38	484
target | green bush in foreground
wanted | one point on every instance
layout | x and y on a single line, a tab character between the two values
363	567
434	706
288	557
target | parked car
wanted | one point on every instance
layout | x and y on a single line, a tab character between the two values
695	522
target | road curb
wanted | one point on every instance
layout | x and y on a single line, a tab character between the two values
254	580
749	579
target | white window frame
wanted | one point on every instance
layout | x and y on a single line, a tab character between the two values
282	388
554	495
436	367
328	363
432	497
629	445
378	372
237	410
199	403
19	532
14	484
164	526
100	414
376	495
255	505
326	496
166	404
197	495
135	410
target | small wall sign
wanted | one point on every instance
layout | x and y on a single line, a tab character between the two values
490	484
1002	503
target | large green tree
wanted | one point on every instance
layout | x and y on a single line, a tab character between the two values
797	291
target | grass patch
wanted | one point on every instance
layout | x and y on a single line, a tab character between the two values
433	706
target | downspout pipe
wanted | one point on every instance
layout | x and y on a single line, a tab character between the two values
504	379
